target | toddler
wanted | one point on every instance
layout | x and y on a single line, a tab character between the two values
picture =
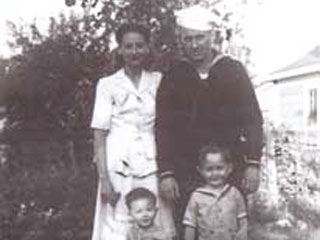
215	210
142	207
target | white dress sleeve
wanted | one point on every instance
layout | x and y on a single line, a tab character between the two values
102	111
158	77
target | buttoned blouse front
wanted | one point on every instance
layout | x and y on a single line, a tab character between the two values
128	113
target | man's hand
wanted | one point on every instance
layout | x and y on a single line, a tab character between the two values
169	189
251	178
108	195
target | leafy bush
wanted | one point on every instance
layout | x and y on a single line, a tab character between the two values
297	212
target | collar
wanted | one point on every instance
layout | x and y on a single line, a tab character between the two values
124	81
153	228
214	61
217	195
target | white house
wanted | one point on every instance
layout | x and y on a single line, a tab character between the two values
290	97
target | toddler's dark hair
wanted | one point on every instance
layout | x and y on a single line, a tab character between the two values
214	148
132	27
140	193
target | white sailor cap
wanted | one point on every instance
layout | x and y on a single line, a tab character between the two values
196	17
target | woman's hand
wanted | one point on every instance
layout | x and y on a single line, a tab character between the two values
169	189
108	195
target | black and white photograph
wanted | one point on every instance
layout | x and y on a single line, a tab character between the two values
159	120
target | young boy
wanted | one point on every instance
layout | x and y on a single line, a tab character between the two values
216	210
142	206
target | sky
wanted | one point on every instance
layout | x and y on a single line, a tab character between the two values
22	11
281	31
278	31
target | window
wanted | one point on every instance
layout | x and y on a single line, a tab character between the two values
312	112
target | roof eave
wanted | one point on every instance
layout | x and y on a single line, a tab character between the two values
285	75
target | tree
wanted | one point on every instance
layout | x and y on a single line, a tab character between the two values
159	16
50	70
4	66
47	180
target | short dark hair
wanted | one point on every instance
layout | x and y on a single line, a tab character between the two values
140	193
215	149
132	27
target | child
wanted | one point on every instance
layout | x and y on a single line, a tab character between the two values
142	207
216	210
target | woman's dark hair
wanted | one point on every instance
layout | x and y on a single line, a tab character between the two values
140	193
132	27
215	149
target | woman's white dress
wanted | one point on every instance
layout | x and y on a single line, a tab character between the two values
128	114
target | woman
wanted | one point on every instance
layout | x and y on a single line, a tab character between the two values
123	122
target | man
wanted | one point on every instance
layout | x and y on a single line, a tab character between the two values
206	97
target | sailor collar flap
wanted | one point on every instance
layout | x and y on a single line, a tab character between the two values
212	193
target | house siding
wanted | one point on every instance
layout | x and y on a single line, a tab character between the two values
293	103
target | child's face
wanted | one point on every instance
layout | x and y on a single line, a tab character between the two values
215	170
143	212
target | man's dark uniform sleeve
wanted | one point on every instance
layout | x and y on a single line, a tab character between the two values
162	128
248	111
250	114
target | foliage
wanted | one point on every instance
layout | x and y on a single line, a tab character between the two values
46	205
3	68
159	16
47	78
47	178
296	213
298	176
